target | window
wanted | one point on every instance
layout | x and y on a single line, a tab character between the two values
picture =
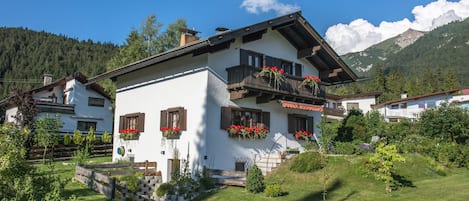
421	104
132	121
85	125
251	58
98	102
174	118
393	120
352	106
244	117
240	166
431	104
395	106
297	122
404	105
287	66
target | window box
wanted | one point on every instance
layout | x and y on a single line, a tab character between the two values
172	122
131	125
244	132
171	133
129	134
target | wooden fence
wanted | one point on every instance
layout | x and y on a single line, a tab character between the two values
66	151
227	177
107	185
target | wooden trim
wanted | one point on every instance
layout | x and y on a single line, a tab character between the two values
308	52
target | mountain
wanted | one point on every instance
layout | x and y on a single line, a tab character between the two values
26	55
446	47
362	62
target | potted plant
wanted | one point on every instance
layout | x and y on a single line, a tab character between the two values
272	73
303	135
312	82
171	132
245	132
129	134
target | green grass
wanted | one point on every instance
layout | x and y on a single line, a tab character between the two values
349	181
66	170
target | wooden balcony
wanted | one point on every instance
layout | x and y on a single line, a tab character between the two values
333	112
243	82
48	107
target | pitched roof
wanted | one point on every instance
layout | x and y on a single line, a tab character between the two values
415	98
77	76
293	27
342	97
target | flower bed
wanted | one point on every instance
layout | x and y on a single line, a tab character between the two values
171	133
304	135
129	134
244	132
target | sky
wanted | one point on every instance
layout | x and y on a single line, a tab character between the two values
347	25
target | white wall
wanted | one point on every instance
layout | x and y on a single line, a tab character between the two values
10	114
364	103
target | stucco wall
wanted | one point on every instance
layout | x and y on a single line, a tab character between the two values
364	103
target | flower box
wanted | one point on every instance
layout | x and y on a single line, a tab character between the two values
171	133
129	134
312	82
244	132
304	135
272	73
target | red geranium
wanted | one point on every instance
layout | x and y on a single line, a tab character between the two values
303	135
129	134
167	132
247	132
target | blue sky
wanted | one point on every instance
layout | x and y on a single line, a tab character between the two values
112	20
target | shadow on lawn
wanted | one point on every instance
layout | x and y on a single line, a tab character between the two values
318	195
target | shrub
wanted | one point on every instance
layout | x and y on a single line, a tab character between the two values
345	148
77	138
274	190
306	162
383	163
91	137
163	189
81	155
255	180
67	139
106	137
205	179
131	181
310	146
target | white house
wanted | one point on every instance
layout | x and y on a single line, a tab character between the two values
207	85
338	106
411	107
79	106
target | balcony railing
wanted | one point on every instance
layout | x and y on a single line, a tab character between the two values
48	107
333	112
246	78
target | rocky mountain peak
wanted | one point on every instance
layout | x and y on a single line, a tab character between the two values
408	37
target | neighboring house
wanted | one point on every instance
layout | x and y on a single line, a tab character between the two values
411	107
79	106
207	85
337	106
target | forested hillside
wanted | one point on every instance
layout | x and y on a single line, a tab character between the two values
26	55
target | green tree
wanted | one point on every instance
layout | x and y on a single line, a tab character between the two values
255	180
379	80
383	162
375	124
450	80
329	131
446	123
353	127
46	129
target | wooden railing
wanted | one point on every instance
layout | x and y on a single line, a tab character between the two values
333	112
242	76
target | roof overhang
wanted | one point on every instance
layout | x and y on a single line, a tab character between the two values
294	27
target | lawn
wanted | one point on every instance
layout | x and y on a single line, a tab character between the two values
66	169
349	181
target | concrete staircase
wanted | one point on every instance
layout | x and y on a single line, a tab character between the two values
267	163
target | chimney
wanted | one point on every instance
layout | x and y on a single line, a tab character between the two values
404	95
47	79
187	36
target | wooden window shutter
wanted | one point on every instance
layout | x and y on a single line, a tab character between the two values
141	122
291	124
121	122
225	117
310	124
266	120
163	118
243	57
183	118
298	69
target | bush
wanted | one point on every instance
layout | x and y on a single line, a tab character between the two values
205	179
77	138
416	144
106	137
345	148
255	180
311	146
163	189
67	139
131	181
274	190
306	162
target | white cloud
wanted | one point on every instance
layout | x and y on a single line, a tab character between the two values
360	34
258	6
